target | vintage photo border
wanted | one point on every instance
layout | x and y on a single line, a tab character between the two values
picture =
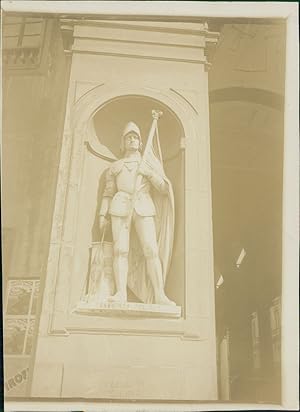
290	234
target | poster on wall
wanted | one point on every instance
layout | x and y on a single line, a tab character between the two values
19	323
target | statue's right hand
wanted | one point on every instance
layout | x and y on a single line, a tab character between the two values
103	221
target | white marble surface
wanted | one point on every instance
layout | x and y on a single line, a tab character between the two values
128	309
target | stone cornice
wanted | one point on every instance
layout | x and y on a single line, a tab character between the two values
181	42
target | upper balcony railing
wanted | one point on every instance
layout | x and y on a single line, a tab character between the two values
23	39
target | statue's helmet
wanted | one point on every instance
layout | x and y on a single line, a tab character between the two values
131	127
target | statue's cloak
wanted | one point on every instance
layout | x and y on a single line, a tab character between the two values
138	280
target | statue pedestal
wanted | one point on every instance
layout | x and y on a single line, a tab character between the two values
129	310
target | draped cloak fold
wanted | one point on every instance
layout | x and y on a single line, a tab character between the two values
138	280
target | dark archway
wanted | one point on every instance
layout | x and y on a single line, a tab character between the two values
247	167
246	94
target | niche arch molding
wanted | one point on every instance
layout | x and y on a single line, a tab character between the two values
83	111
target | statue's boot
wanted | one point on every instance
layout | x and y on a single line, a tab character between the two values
120	266
155	273
118	298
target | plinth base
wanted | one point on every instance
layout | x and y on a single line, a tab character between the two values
128	309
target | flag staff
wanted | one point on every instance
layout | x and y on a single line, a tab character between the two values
156	114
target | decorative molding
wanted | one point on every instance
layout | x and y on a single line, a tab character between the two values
67	30
211	40
138	56
182	143
180	93
116	325
80	37
54	330
183	328
140	42
196	28
82	88
92	101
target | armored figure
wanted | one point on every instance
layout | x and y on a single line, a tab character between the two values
138	199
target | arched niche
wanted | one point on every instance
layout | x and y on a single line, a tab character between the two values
109	121
103	131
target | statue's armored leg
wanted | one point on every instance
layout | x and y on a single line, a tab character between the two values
146	231
120	231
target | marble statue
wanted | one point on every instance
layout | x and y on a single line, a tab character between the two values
138	202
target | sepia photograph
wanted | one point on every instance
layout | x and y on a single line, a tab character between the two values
150	213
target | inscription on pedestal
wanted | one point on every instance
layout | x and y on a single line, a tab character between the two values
128	309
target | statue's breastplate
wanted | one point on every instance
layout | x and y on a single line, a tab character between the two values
126	178
123	201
